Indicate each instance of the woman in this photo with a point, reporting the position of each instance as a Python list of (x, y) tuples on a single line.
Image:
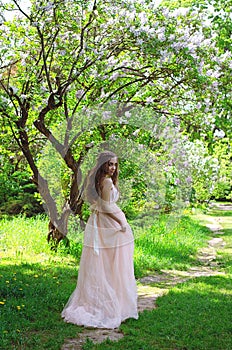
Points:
[(106, 289)]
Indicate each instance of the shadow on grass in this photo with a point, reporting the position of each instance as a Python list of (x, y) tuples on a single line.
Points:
[(221, 209), (224, 255), (33, 297), (194, 315), (216, 213), (227, 232)]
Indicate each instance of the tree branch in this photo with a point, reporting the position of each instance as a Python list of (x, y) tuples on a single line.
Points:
[(45, 59), (10, 94), (19, 8), (122, 87), (91, 19)]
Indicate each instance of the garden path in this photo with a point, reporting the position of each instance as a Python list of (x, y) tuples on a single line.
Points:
[(152, 287)]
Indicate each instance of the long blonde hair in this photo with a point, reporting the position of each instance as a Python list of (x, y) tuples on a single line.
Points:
[(94, 178)]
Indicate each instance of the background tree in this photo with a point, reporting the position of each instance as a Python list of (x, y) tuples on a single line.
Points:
[(60, 57)]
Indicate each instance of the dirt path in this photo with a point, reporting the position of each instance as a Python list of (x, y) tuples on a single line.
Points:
[(147, 293)]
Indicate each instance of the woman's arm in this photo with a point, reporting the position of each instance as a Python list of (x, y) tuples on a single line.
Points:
[(105, 195)]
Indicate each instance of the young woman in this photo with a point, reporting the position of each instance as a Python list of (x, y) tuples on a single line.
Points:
[(106, 291)]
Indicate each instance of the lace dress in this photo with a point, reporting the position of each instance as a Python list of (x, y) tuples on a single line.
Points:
[(106, 292)]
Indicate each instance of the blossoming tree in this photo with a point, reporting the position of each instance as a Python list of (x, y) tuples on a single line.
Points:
[(60, 59)]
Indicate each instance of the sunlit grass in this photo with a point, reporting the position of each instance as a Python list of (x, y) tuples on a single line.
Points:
[(195, 315), (33, 296), (24, 238), (35, 284), (224, 218), (168, 244)]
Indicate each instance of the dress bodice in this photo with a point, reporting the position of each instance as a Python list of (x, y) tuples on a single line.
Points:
[(102, 229), (107, 206)]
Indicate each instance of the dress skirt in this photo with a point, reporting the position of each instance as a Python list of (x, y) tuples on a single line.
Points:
[(106, 292)]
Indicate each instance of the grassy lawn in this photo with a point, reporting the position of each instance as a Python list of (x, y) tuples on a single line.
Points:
[(193, 315), (35, 284), (168, 244), (224, 255)]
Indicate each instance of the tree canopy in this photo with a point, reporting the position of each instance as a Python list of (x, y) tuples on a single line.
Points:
[(81, 75)]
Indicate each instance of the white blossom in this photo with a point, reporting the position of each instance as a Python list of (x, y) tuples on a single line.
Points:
[(219, 133), (79, 93), (136, 132), (149, 99), (4, 99), (114, 76), (14, 89), (161, 37), (177, 181), (103, 94), (106, 115), (112, 61), (122, 120), (140, 41), (143, 18), (181, 11), (172, 37), (49, 6)]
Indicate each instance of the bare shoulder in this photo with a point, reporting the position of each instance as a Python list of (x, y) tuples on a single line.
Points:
[(106, 189), (107, 182)]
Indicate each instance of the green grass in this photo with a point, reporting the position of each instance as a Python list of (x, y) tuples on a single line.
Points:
[(195, 315), (224, 255), (33, 295), (168, 244), (35, 284)]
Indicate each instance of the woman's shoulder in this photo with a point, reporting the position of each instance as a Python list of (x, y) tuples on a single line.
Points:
[(107, 182)]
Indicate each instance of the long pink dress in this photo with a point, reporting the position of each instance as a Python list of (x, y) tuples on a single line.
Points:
[(106, 292)]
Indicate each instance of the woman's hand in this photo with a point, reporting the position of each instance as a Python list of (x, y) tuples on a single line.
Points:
[(123, 227)]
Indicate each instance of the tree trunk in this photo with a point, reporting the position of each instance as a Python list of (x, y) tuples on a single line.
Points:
[(58, 230)]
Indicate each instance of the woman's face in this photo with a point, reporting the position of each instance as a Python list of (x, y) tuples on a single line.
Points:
[(112, 166)]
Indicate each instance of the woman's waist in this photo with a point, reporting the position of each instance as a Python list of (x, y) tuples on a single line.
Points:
[(107, 237), (109, 208)]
